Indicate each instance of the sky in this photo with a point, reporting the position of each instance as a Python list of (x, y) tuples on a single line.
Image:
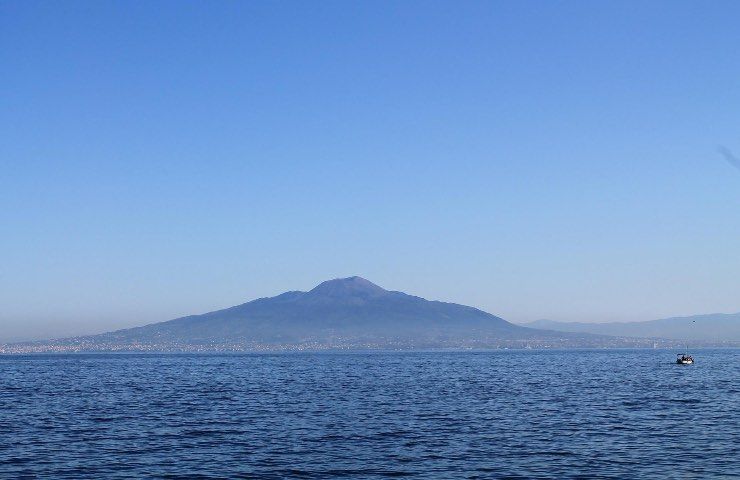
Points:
[(536, 159)]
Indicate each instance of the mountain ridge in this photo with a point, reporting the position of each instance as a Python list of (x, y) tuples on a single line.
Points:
[(705, 327)]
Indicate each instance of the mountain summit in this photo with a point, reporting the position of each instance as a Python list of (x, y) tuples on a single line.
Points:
[(347, 287)]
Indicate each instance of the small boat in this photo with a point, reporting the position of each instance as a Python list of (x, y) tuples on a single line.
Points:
[(684, 359)]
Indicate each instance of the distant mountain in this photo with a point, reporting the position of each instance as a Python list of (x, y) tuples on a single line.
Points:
[(342, 313), (716, 327), (336, 309)]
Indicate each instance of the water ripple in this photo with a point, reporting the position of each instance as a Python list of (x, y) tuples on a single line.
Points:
[(578, 414)]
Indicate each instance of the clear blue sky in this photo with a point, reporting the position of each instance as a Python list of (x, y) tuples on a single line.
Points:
[(534, 159)]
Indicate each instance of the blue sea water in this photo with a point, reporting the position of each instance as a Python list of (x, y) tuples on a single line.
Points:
[(508, 414)]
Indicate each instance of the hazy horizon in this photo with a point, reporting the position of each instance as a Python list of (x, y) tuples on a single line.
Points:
[(534, 160), (75, 327)]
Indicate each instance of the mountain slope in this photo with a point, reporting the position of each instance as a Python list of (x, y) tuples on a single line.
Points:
[(713, 327), (351, 307)]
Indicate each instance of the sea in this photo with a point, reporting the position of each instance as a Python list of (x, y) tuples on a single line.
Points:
[(620, 414)]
